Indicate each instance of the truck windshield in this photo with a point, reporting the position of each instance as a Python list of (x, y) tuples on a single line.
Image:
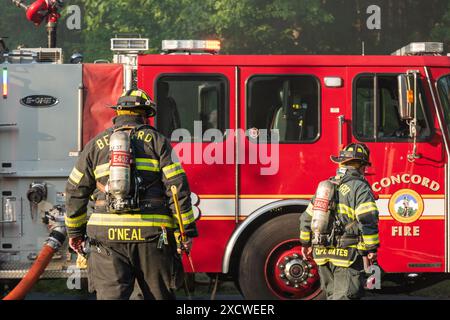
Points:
[(444, 94)]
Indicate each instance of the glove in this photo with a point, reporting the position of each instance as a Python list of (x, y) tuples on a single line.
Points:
[(81, 262), (185, 246), (77, 244)]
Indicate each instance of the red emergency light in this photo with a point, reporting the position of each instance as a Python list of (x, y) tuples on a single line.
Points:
[(42, 9)]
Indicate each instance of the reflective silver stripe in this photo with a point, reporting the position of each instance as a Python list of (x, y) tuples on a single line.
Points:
[(76, 176), (187, 217), (366, 207), (101, 170), (309, 209)]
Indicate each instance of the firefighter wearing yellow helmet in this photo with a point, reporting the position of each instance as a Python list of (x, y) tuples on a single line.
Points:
[(339, 228), (127, 172)]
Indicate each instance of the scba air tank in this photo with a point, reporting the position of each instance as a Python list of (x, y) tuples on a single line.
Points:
[(321, 208), (119, 168)]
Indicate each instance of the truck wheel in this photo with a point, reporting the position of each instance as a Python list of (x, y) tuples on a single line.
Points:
[(271, 264)]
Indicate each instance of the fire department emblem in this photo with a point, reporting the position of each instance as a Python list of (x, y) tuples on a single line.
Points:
[(406, 206)]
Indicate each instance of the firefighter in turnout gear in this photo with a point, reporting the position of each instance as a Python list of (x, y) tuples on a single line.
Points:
[(127, 172), (339, 228)]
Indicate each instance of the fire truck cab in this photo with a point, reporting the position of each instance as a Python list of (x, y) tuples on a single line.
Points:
[(254, 135)]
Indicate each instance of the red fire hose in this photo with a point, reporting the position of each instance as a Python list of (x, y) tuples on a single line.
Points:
[(36, 270), (54, 241)]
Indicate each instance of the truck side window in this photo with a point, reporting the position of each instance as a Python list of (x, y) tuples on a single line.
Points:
[(386, 125), (289, 104), (184, 99), (444, 95)]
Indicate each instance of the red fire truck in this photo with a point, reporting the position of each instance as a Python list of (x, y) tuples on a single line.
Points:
[(248, 221), (254, 135)]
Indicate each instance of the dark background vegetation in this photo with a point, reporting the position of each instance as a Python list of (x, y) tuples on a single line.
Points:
[(243, 26)]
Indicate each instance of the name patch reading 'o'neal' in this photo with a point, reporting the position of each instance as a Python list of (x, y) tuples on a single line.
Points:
[(125, 234)]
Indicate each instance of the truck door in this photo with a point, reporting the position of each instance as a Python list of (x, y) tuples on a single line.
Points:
[(407, 175), (292, 120), (196, 109), (439, 79), (295, 102)]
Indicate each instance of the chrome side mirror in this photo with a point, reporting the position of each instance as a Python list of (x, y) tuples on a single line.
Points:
[(407, 95)]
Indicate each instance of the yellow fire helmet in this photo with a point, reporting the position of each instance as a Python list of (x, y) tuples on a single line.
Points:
[(354, 151), (135, 100)]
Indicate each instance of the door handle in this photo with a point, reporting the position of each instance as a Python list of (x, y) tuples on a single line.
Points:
[(341, 120)]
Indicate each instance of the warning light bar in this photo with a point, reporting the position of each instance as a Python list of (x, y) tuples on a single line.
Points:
[(130, 45), (5, 83), (420, 49), (173, 46)]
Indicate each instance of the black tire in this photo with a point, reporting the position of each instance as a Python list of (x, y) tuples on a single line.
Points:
[(251, 275)]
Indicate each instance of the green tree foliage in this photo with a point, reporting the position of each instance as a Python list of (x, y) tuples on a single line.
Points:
[(441, 29), (243, 26), (262, 26)]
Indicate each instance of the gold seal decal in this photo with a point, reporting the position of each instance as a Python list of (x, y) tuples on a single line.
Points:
[(406, 206)]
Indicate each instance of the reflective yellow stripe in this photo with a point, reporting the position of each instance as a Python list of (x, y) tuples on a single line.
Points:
[(101, 170), (187, 217), (148, 160), (305, 235), (147, 168), (172, 166), (361, 246), (371, 239), (309, 210), (131, 220), (175, 173), (76, 222), (147, 164), (336, 262), (76, 176), (346, 210), (371, 236), (173, 170), (341, 263), (366, 207), (321, 261)]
